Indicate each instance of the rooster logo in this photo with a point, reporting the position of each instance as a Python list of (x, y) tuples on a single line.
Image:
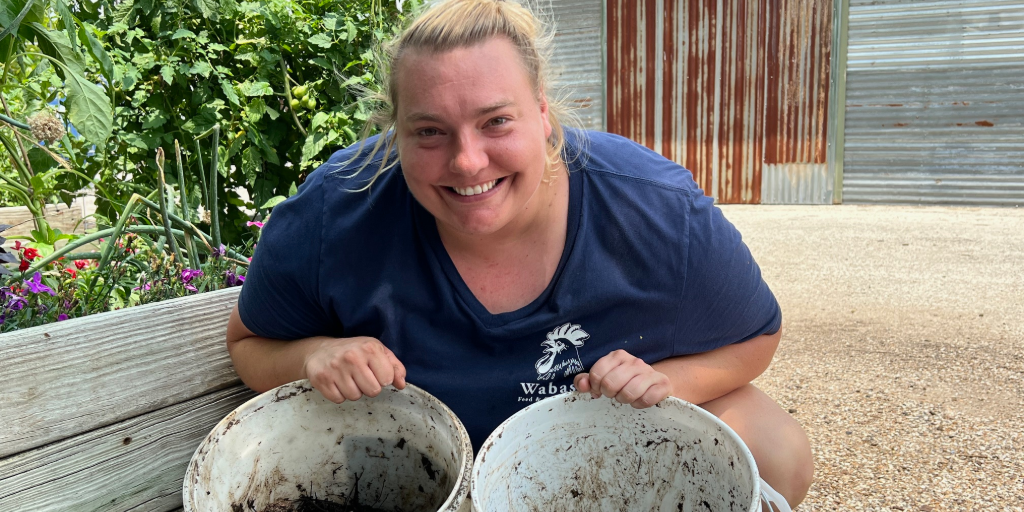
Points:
[(558, 342)]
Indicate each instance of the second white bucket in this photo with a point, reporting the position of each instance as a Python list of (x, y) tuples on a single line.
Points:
[(574, 453)]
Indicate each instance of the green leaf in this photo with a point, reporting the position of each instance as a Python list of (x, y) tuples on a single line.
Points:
[(292, 190), (351, 30), (123, 12), (154, 119), (272, 114), (134, 140), (315, 143), (201, 68), (256, 109), (69, 22), (322, 40), (252, 164), (255, 88), (14, 12), (89, 109), (181, 32), (208, 8), (40, 160), (229, 92), (167, 73), (37, 183), (56, 45), (273, 201), (86, 32), (318, 120)]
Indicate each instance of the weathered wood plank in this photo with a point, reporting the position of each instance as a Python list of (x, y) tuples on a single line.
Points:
[(97, 470), (70, 377)]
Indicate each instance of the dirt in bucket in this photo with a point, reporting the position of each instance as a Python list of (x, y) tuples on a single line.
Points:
[(312, 504), (308, 502)]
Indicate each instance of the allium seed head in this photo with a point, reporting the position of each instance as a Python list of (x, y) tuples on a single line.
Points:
[(46, 127)]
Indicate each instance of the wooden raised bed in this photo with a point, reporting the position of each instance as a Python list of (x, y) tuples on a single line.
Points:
[(104, 412)]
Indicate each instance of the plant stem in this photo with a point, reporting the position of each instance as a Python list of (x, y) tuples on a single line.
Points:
[(164, 212), (185, 207), (214, 172), (42, 262), (288, 95), (13, 122), (202, 175)]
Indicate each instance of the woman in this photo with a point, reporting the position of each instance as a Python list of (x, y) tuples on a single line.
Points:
[(492, 257)]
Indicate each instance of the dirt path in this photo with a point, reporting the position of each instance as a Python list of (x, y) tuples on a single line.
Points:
[(903, 350)]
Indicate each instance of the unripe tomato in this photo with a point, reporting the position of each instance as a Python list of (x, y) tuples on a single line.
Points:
[(295, 104), (310, 103), (299, 91)]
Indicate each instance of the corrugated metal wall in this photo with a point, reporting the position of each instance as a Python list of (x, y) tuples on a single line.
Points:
[(577, 62), (935, 102), (734, 91)]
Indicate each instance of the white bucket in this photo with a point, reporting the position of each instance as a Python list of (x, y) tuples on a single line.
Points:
[(574, 453), (401, 451)]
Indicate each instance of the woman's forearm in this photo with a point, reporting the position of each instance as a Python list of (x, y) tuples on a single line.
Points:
[(700, 378), (265, 363)]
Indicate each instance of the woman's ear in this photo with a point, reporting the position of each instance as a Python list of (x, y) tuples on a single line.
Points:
[(545, 117)]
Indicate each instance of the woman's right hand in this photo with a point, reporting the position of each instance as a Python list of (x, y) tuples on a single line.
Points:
[(348, 368)]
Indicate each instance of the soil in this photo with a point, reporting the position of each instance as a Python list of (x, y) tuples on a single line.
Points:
[(312, 504)]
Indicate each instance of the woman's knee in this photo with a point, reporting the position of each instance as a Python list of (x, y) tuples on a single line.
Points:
[(778, 442)]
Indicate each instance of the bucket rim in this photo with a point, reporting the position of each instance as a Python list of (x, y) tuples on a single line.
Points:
[(670, 401), (462, 480)]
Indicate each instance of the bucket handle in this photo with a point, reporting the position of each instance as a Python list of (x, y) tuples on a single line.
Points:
[(773, 499)]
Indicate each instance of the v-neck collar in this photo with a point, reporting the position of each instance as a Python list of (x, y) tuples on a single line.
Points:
[(427, 226)]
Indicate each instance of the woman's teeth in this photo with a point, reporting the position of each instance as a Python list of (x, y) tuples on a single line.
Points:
[(474, 190)]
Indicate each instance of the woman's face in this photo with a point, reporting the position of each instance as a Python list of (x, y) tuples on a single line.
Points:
[(472, 136)]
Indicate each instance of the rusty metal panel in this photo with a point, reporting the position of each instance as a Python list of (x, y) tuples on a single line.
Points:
[(725, 88), (935, 103), (577, 61)]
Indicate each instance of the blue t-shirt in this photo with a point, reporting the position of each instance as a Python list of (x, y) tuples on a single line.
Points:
[(650, 265)]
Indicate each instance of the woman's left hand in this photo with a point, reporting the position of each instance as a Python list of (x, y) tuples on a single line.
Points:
[(626, 378)]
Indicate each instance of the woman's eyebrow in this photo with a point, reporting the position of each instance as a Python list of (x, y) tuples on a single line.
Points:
[(482, 111)]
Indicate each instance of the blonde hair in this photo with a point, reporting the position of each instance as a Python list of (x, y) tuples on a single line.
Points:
[(454, 24)]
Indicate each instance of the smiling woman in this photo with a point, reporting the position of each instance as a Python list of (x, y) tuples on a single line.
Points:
[(493, 256)]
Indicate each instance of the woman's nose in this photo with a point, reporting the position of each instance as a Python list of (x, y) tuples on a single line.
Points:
[(470, 155)]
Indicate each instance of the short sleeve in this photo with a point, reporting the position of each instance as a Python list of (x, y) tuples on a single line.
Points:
[(724, 298), (280, 298)]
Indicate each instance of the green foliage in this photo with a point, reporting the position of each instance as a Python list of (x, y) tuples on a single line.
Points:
[(179, 67)]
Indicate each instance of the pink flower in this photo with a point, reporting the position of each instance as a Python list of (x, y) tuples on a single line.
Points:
[(255, 223)]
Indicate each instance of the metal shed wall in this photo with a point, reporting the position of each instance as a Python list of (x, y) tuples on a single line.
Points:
[(935, 102), (577, 61), (737, 92)]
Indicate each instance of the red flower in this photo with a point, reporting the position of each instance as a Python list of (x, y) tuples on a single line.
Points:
[(80, 264), (17, 245), (31, 253), (72, 272), (24, 265)]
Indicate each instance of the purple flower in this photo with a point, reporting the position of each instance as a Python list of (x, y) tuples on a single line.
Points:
[(43, 308), (255, 223), (145, 287), (17, 303), (220, 251), (188, 274), (61, 317), (36, 286), (190, 288), (3, 318), (233, 279)]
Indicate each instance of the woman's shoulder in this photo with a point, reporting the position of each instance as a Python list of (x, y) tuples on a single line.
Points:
[(606, 156)]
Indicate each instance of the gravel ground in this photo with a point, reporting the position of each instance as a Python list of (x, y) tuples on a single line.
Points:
[(902, 350)]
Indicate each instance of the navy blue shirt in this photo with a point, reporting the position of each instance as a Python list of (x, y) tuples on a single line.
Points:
[(650, 265)]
